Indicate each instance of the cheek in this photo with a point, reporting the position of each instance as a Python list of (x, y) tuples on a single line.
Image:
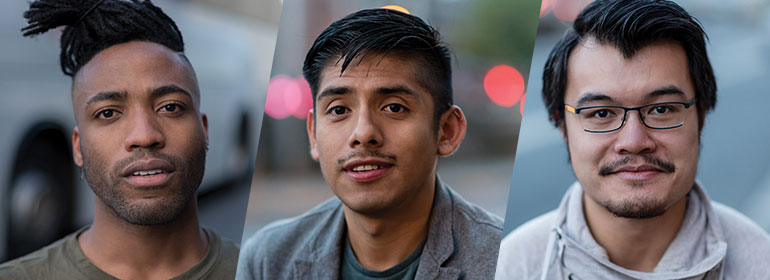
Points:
[(95, 144), (583, 148), (415, 137), (686, 148), (328, 142)]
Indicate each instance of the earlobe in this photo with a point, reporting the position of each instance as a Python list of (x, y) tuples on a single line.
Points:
[(77, 156), (311, 135), (452, 128), (563, 130)]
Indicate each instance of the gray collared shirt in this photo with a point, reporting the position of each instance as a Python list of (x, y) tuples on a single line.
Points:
[(462, 243)]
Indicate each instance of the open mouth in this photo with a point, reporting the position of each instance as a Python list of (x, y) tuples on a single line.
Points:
[(147, 173), (367, 167), (364, 171)]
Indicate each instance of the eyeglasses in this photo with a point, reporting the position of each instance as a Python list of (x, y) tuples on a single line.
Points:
[(600, 119)]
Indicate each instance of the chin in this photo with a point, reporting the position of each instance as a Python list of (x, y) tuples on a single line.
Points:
[(369, 205), (636, 207), (151, 212)]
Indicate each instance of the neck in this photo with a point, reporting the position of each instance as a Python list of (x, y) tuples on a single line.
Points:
[(383, 241), (636, 244), (128, 251)]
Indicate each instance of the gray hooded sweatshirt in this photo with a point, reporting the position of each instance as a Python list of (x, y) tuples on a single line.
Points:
[(714, 242)]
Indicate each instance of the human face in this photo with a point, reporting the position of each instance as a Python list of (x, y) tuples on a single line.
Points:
[(140, 139), (634, 172), (374, 136)]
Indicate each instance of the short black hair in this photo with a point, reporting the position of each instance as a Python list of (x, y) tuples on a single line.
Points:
[(95, 25), (630, 25), (383, 32)]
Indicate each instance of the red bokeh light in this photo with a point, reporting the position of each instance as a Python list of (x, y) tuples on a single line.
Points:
[(545, 7), (568, 10), (287, 96), (504, 85), (306, 103)]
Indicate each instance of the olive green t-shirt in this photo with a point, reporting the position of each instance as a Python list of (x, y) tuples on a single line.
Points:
[(405, 270), (63, 259)]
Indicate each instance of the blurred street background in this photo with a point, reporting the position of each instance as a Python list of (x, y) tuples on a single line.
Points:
[(230, 44), (735, 156), (492, 41)]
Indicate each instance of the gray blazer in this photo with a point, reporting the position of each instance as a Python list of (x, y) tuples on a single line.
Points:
[(462, 243)]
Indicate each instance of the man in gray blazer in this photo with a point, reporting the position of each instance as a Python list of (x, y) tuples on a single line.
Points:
[(382, 115)]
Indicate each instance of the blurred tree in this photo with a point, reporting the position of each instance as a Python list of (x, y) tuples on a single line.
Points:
[(505, 29)]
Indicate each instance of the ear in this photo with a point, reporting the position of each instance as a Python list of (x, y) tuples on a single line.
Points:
[(563, 130), (205, 121), (311, 134), (451, 132), (77, 155)]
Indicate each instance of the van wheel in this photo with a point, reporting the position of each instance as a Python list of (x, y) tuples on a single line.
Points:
[(41, 199)]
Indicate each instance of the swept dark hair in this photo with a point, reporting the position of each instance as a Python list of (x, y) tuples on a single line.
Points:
[(630, 25), (94, 25), (382, 32)]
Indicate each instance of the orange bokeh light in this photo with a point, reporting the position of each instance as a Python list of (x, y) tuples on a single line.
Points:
[(397, 8)]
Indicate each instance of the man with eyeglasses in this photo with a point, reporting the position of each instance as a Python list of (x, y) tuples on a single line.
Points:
[(629, 88)]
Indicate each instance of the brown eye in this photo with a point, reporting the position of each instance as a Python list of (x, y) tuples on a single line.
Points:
[(660, 110), (170, 107), (337, 110), (601, 114), (105, 114), (395, 108)]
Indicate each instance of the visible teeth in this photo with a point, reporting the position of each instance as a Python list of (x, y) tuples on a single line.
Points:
[(367, 167), (147, 173)]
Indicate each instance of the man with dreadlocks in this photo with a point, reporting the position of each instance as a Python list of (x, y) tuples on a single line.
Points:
[(382, 115), (141, 142)]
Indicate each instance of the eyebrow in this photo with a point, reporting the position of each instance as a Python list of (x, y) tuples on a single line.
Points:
[(168, 89), (107, 95), (667, 90), (592, 96), (388, 90), (334, 91), (115, 95), (395, 90)]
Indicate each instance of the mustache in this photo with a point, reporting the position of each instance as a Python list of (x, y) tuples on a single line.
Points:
[(142, 154), (610, 168), (356, 154)]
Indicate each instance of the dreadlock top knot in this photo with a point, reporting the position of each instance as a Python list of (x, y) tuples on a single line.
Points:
[(94, 25), (84, 15)]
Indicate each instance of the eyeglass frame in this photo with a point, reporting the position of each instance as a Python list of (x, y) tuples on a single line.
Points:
[(576, 111)]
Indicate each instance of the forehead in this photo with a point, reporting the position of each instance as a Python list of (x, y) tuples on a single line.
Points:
[(371, 72), (600, 68), (133, 66)]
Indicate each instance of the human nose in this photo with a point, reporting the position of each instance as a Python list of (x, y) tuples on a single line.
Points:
[(144, 131), (633, 137), (366, 132)]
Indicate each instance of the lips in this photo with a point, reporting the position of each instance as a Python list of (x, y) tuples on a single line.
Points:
[(148, 173), (367, 170), (640, 168), (638, 173)]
